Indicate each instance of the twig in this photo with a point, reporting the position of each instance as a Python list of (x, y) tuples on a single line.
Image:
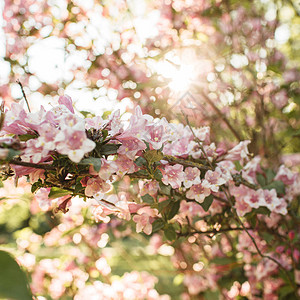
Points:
[(31, 165), (173, 159), (24, 95), (197, 140), (240, 221), (258, 250)]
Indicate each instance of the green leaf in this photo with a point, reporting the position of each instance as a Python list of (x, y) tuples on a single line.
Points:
[(165, 189), (141, 173), (158, 175), (238, 165), (109, 149), (286, 290), (36, 185), (270, 175), (157, 225), (86, 114), (94, 161), (57, 192), (212, 295), (252, 220), (174, 207), (262, 211), (26, 137), (163, 204), (277, 185), (153, 156), (78, 187), (147, 199), (140, 161), (261, 179), (170, 233), (12, 153), (268, 237), (207, 202), (104, 134), (13, 281)]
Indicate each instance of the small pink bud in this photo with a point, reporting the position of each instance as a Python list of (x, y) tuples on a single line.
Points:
[(291, 235), (280, 249), (296, 255)]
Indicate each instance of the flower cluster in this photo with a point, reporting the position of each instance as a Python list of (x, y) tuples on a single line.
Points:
[(153, 150), (56, 130), (183, 185)]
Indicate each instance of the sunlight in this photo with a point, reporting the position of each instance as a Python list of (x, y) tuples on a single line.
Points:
[(180, 76), (181, 80)]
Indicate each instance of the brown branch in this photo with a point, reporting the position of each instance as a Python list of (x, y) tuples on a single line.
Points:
[(258, 250), (240, 221), (24, 95), (197, 140), (187, 163), (31, 165)]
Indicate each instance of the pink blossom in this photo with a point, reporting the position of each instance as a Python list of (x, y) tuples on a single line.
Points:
[(157, 136), (251, 168), (114, 204), (96, 186), (73, 143), (203, 134), (239, 152), (191, 177), (191, 209), (36, 175), (144, 218), (270, 199), (285, 175), (100, 214), (198, 192), (178, 147), (195, 283), (148, 187), (108, 168), (254, 198), (67, 102), (14, 121), (42, 198), (240, 193), (194, 150), (114, 125), (213, 179), (137, 126), (130, 147), (35, 152), (173, 175), (125, 165), (95, 123)]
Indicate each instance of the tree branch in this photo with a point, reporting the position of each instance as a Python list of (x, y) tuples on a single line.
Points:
[(31, 165), (24, 95)]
